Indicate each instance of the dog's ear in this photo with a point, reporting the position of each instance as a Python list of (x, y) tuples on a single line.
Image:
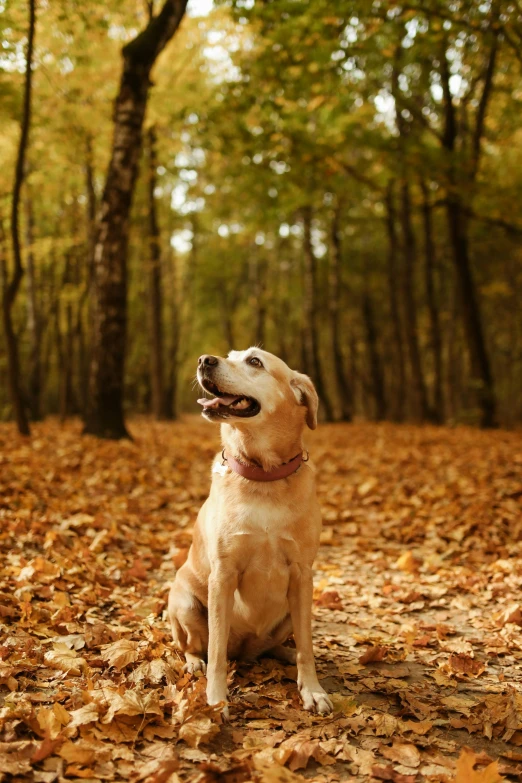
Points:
[(306, 394)]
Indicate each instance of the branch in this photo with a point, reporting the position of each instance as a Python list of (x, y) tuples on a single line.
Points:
[(145, 48), (482, 108), (362, 178)]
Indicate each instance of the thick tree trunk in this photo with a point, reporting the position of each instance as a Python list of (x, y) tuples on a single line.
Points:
[(86, 296), (376, 371), (33, 320), (480, 366), (311, 315), (421, 410), (482, 377), (171, 385), (436, 338), (398, 384), (155, 292), (106, 382), (344, 386), (10, 287)]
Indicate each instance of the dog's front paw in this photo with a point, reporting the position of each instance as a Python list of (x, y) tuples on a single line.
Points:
[(214, 697), (316, 700)]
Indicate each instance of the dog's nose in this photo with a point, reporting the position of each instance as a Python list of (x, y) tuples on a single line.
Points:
[(207, 361)]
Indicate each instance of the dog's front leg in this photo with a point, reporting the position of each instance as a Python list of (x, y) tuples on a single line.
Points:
[(221, 586), (300, 599)]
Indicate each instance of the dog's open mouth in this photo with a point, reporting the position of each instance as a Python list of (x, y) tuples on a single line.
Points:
[(227, 405)]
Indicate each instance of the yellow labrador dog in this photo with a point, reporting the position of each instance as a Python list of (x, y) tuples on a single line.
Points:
[(247, 582)]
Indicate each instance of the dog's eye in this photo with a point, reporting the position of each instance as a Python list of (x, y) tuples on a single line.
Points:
[(255, 362)]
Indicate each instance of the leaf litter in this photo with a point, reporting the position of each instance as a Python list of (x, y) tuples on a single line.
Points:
[(417, 613)]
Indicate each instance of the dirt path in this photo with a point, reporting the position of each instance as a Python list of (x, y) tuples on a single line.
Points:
[(418, 612)]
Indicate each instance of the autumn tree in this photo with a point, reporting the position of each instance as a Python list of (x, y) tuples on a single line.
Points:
[(11, 286), (104, 415)]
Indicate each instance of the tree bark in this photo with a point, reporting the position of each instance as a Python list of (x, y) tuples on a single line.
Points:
[(436, 338), (482, 378), (155, 291), (33, 319), (376, 371), (421, 410), (86, 296), (10, 288), (399, 378), (311, 315), (106, 382), (344, 386)]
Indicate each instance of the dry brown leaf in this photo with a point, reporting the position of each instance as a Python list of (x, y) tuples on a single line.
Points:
[(408, 563), (420, 727), (402, 753), (197, 730), (119, 654), (466, 665), (467, 774), (52, 720), (154, 672), (330, 599), (372, 654), (130, 703), (61, 657), (83, 715)]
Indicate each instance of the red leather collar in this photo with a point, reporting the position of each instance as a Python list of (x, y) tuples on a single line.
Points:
[(255, 473)]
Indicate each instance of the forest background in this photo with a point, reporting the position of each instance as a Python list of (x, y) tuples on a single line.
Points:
[(336, 181)]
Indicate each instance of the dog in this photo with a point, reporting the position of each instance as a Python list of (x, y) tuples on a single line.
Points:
[(247, 582)]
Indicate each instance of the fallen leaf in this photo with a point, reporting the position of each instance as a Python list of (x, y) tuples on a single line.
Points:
[(408, 563), (198, 730), (120, 653), (467, 774), (65, 659), (402, 753), (372, 654)]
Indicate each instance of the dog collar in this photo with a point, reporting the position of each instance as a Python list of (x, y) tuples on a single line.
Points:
[(255, 473)]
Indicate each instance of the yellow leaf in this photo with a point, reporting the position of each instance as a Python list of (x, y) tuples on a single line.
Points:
[(467, 774), (119, 654), (66, 660)]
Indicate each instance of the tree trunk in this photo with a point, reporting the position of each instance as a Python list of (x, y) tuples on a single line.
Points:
[(480, 367), (344, 386), (260, 273), (376, 371), (311, 315), (106, 382), (33, 319), (436, 339), (10, 287), (398, 385), (155, 293), (482, 378), (421, 410), (86, 296)]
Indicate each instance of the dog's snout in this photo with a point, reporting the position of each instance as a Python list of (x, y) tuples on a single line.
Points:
[(207, 360)]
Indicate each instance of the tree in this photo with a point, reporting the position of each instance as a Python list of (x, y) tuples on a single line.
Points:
[(10, 287), (104, 416)]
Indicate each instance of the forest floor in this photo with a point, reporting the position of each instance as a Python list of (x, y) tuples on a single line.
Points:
[(417, 612)]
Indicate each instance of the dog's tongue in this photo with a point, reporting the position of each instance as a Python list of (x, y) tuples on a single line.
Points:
[(226, 399)]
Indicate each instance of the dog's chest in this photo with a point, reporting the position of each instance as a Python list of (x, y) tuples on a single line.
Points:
[(263, 536)]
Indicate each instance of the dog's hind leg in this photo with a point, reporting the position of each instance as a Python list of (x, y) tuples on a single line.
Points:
[(188, 619)]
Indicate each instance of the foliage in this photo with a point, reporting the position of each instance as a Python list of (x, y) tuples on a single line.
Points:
[(417, 614), (261, 110)]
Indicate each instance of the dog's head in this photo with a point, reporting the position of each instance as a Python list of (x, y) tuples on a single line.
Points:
[(250, 386)]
